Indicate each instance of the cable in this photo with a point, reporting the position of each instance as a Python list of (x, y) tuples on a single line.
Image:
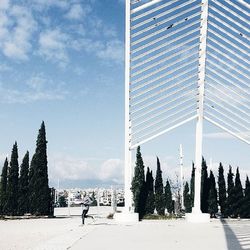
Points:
[(229, 96), (228, 41), (157, 122), (235, 85), (225, 108), (192, 91), (146, 13), (164, 29), (227, 56), (138, 25), (238, 8), (162, 22), (161, 112), (227, 25), (163, 104), (162, 38), (232, 12), (168, 81), (178, 53), (231, 51), (162, 76), (175, 62), (179, 38), (228, 65), (164, 126), (227, 130), (191, 40), (228, 72), (159, 92)]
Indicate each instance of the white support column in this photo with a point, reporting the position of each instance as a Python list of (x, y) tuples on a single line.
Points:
[(196, 215), (128, 154), (181, 170), (128, 214)]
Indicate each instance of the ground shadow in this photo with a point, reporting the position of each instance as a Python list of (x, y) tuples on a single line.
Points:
[(236, 236)]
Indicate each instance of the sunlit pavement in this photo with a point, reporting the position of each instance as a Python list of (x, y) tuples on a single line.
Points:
[(105, 234), (173, 235)]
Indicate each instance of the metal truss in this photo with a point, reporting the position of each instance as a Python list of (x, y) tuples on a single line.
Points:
[(185, 60), (164, 52), (227, 88), (165, 40)]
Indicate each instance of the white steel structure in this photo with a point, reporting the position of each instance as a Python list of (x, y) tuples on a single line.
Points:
[(185, 60), (181, 176)]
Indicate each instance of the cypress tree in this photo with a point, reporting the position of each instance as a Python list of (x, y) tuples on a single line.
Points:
[(12, 186), (38, 186), (3, 186), (159, 195), (222, 190), (246, 201), (238, 195), (212, 198), (23, 199), (204, 187), (192, 185), (187, 199), (230, 192), (150, 200), (138, 185), (168, 198)]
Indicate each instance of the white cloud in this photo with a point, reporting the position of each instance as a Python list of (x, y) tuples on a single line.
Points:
[(12, 96), (225, 135), (4, 4), (52, 46), (113, 50), (16, 29), (40, 88), (66, 167), (110, 51), (19, 35), (37, 82), (112, 169), (77, 12), (42, 4), (4, 67)]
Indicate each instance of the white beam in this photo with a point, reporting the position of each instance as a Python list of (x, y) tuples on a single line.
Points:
[(163, 132), (146, 5), (237, 135)]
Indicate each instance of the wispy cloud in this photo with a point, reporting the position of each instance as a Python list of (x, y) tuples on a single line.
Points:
[(78, 12), (38, 88), (53, 46), (4, 67), (45, 4), (66, 167), (4, 4), (225, 135), (24, 32), (112, 50), (16, 29)]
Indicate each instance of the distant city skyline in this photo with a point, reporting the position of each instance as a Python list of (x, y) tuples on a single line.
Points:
[(63, 62)]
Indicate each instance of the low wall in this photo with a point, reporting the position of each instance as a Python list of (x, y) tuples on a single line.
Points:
[(102, 211)]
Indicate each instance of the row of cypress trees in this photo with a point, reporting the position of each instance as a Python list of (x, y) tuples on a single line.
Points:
[(231, 198), (27, 190), (150, 195)]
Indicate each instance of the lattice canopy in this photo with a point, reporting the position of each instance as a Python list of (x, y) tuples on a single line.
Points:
[(165, 51)]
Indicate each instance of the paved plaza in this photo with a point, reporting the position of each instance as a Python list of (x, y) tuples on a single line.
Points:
[(102, 233)]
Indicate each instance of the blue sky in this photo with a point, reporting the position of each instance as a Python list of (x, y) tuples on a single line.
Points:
[(62, 62)]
